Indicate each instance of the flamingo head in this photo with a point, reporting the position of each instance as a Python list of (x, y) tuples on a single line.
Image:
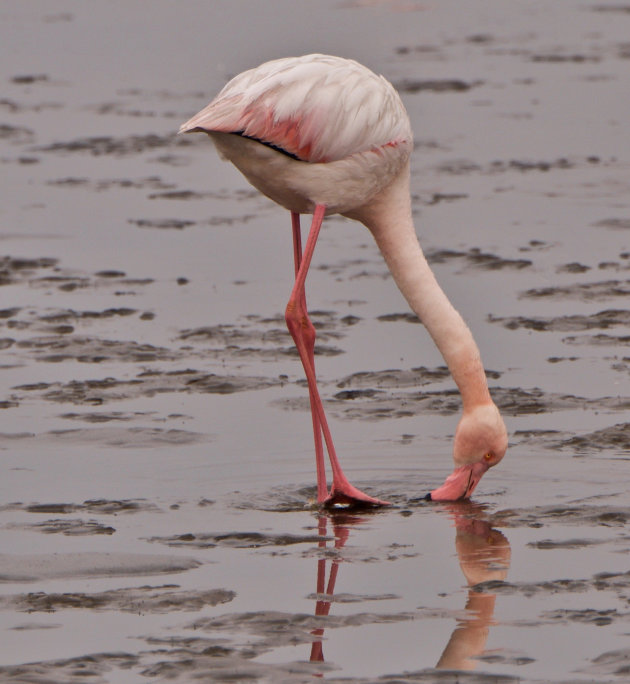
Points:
[(480, 443)]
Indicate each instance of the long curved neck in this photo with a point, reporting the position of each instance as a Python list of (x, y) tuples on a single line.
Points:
[(389, 219)]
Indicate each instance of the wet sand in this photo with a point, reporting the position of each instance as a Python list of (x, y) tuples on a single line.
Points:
[(156, 494)]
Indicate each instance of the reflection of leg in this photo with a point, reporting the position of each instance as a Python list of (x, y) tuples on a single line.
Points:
[(322, 487), (303, 333), (317, 651), (321, 608), (324, 600)]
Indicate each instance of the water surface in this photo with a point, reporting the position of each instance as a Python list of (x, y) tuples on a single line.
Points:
[(157, 485)]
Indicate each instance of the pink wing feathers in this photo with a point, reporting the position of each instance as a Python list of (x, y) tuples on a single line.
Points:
[(316, 107)]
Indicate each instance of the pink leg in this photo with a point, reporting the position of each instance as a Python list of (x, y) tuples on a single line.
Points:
[(303, 333), (309, 340)]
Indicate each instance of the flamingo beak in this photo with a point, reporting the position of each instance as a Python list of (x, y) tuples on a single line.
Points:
[(460, 484)]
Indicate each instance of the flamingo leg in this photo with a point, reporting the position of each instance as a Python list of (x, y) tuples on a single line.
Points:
[(303, 333), (309, 341)]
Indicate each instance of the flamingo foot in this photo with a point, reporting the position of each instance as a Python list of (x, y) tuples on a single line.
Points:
[(348, 496)]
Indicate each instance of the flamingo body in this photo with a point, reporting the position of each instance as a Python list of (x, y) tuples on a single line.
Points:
[(320, 135), (347, 123)]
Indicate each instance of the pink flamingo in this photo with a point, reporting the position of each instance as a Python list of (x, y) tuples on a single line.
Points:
[(323, 135)]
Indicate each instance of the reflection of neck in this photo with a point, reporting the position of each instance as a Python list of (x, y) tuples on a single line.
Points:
[(484, 554), (469, 638), (322, 607)]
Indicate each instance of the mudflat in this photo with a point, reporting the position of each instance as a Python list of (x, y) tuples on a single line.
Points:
[(157, 484)]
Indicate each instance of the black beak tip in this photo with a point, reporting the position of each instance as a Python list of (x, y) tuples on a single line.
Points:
[(428, 497)]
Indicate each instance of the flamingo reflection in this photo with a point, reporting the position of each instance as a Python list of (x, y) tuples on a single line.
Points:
[(484, 555)]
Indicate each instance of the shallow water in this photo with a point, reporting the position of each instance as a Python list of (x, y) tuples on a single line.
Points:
[(156, 496)]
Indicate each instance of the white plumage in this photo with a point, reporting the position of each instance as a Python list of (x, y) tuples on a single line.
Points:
[(317, 107)]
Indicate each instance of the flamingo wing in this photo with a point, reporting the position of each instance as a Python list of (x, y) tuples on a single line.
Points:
[(317, 108)]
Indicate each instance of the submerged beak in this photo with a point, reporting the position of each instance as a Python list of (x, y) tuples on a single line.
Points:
[(460, 484)]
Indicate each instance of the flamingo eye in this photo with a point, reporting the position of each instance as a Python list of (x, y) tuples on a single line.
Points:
[(487, 456)]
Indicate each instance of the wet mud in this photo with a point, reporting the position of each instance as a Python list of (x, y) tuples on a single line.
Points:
[(158, 512), (146, 599)]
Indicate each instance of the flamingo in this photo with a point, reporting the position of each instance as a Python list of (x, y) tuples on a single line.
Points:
[(321, 135)]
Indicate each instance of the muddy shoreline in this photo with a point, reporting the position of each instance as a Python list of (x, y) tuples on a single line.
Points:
[(157, 511)]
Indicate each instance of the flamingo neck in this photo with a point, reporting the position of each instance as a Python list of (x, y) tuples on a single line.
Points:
[(389, 219)]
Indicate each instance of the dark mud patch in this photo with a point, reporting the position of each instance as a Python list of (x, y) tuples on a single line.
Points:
[(392, 378), (438, 197), (85, 349), (355, 269), (111, 416), (564, 58), (236, 540), (17, 135), (44, 272), (281, 499), (104, 184), (119, 437), (573, 267), (601, 340), (475, 258), (505, 658), (33, 626), (561, 544), (611, 662), (37, 567), (71, 527), (587, 616), (352, 598), (138, 600), (276, 629), (91, 669), (146, 384), (453, 85), (266, 338), (570, 514), (615, 437), (576, 322), (405, 317), (612, 441), (459, 167), (616, 583), (180, 224), (237, 195), (380, 403), (184, 659), (163, 223), (585, 292), (614, 223), (14, 107), (115, 146), (29, 79), (70, 316), (17, 269), (93, 506), (211, 383), (516, 401), (613, 9), (395, 378)]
